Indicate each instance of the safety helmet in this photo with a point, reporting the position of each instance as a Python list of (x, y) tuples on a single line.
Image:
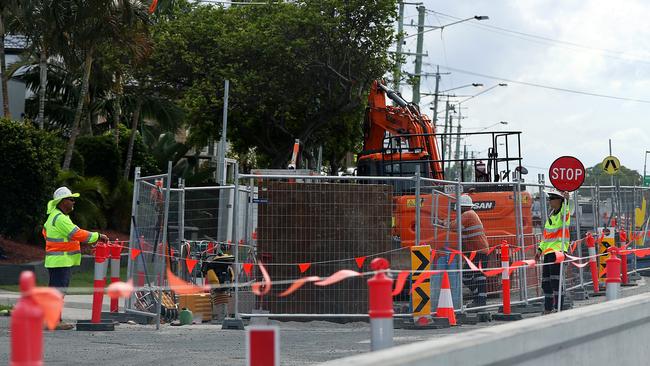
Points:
[(59, 194), (553, 192), (466, 201)]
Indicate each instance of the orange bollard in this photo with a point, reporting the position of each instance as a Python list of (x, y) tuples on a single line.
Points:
[(101, 254), (26, 326), (380, 306), (593, 265), (116, 253), (613, 278), (506, 313)]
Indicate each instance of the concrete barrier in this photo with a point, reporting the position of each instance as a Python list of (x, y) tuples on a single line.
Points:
[(610, 333)]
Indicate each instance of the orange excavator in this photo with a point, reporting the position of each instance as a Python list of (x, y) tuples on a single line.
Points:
[(398, 139)]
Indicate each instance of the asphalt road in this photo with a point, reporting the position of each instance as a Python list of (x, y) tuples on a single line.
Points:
[(301, 343)]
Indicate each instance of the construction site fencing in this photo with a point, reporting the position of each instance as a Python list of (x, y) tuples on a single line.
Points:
[(298, 226), (149, 225)]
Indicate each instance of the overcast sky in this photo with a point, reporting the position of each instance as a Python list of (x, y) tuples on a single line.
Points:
[(593, 46)]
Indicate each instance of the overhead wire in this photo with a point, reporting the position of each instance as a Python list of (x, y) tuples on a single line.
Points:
[(619, 55)]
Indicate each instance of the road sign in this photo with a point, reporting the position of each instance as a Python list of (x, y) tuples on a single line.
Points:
[(646, 181), (567, 173), (611, 165), (421, 296)]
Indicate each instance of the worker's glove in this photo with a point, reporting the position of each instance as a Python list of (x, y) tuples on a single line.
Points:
[(103, 238)]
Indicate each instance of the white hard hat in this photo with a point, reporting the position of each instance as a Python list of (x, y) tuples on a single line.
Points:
[(466, 201), (553, 192), (59, 194), (63, 192)]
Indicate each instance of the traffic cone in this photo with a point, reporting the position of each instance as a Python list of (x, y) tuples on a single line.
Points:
[(445, 303)]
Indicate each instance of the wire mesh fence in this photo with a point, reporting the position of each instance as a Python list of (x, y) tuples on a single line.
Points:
[(315, 226)]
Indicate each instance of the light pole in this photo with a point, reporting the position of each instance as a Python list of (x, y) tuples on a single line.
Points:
[(419, 48), (645, 161)]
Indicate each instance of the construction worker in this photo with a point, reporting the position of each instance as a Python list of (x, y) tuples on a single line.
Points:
[(62, 241), (473, 239), (556, 232)]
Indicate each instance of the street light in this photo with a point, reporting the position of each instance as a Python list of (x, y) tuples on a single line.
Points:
[(476, 85), (492, 125), (482, 92), (442, 27), (645, 160)]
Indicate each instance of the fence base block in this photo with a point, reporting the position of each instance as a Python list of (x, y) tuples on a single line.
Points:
[(232, 324), (580, 294), (125, 317), (466, 318), (435, 323), (629, 284), (524, 308), (507, 317), (89, 326), (484, 316)]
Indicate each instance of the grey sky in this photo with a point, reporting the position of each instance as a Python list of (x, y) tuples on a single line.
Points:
[(607, 52)]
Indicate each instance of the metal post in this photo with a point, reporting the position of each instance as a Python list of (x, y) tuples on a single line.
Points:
[(397, 73), (221, 164), (561, 281), (459, 231), (417, 204), (578, 212), (444, 136), (542, 200), (132, 233), (235, 241), (418, 57), (523, 281), (435, 97), (181, 225), (161, 265)]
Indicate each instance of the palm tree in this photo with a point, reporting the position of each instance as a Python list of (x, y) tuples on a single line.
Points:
[(6, 8), (93, 23)]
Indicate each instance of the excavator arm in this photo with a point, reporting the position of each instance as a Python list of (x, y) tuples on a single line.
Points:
[(404, 119)]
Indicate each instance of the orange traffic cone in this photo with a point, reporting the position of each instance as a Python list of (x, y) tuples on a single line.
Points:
[(445, 303)]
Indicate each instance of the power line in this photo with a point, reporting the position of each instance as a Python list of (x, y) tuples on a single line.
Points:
[(546, 41), (566, 90)]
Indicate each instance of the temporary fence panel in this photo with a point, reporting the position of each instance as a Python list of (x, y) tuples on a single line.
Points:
[(147, 245)]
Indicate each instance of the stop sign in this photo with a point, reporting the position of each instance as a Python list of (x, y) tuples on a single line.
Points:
[(567, 173)]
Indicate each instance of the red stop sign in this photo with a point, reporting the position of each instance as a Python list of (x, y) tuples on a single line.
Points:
[(567, 173)]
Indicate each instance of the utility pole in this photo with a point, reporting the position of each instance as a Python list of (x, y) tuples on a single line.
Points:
[(457, 152), (418, 56), (444, 136), (397, 73), (435, 96)]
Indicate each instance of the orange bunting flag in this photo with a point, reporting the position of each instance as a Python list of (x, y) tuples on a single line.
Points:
[(433, 253), (120, 289), (262, 288), (400, 282), (135, 253), (471, 265), (248, 268), (303, 267), (210, 247), (153, 6), (171, 252), (181, 287), (491, 272), (337, 277), (50, 300), (491, 250), (472, 255), (190, 263), (298, 284), (452, 256), (360, 261)]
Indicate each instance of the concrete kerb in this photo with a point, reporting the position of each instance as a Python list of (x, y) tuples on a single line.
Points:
[(589, 333)]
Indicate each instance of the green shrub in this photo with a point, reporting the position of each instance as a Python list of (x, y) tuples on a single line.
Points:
[(101, 158), (30, 164), (141, 155)]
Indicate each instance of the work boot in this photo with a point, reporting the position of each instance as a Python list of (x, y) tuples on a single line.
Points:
[(64, 326)]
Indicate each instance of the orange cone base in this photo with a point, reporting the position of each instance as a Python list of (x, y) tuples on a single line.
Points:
[(447, 313)]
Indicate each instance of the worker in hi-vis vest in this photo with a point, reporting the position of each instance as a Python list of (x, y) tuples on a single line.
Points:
[(63, 239), (473, 240), (556, 232)]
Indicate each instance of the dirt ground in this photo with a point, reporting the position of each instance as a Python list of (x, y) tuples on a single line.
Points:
[(23, 252)]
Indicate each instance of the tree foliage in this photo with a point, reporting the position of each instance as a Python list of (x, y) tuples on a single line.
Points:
[(626, 176), (30, 161), (297, 70)]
